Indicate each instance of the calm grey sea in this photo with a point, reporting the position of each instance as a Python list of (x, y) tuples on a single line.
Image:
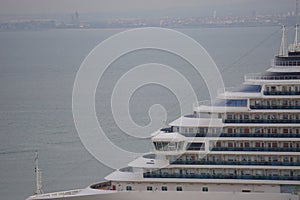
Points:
[(37, 71)]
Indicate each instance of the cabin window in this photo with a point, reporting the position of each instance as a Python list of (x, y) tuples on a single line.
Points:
[(246, 117), (247, 144), (178, 188), (204, 189), (257, 102), (273, 88), (128, 187), (257, 144), (231, 172), (259, 172), (149, 188), (246, 190), (231, 158), (164, 188), (168, 146), (229, 116), (196, 146)]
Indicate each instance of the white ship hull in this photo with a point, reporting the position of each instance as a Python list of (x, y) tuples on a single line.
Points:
[(169, 195)]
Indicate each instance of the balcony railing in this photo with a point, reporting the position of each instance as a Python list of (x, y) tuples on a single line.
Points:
[(272, 149), (266, 135), (263, 121), (211, 176), (202, 103), (288, 63), (166, 130), (204, 162), (281, 93), (274, 107), (251, 77)]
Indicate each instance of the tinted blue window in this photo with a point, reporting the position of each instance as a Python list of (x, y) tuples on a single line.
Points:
[(249, 88), (231, 102)]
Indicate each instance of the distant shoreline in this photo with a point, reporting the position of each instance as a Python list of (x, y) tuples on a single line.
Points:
[(127, 28)]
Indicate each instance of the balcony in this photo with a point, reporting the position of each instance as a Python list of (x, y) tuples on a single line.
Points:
[(275, 107), (263, 121), (259, 77), (265, 135), (211, 176), (269, 149), (204, 162), (281, 93)]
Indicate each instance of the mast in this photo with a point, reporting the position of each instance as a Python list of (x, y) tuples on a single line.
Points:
[(297, 25), (297, 12), (296, 35), (38, 178), (282, 46)]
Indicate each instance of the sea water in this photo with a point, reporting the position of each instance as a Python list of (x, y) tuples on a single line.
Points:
[(37, 72)]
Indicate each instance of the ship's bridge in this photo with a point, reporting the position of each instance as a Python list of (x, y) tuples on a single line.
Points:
[(287, 62), (170, 143)]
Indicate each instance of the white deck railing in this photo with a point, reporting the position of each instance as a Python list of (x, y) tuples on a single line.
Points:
[(280, 64), (251, 77), (201, 103), (61, 194)]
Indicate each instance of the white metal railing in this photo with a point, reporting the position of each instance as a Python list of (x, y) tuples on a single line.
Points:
[(294, 48), (280, 64), (226, 89), (61, 194), (251, 77), (201, 103)]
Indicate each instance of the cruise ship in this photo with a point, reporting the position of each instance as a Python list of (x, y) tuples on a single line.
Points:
[(243, 145)]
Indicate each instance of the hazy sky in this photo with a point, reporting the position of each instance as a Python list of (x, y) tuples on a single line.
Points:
[(145, 7)]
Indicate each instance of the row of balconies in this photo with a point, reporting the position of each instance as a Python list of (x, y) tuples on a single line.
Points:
[(263, 121), (268, 149), (215, 159), (204, 162), (223, 176), (255, 145), (264, 135)]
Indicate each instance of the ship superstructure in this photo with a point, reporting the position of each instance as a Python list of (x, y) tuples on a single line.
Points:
[(243, 145)]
